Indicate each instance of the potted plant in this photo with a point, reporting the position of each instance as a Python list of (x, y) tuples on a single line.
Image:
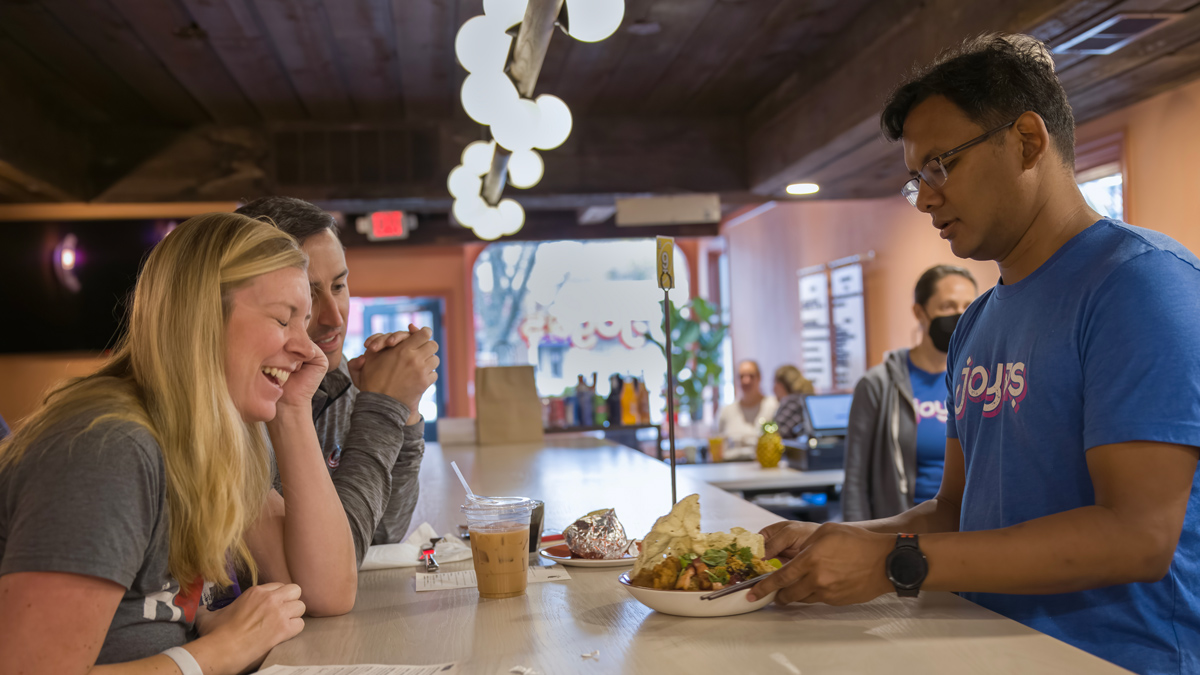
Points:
[(696, 337)]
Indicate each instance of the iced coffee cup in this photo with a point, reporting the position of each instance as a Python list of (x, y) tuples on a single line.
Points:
[(499, 528)]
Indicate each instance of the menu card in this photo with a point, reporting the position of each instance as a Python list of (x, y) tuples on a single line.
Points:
[(442, 581), (365, 669)]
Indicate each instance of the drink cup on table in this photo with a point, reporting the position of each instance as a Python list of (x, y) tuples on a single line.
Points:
[(536, 519), (716, 448), (499, 528)]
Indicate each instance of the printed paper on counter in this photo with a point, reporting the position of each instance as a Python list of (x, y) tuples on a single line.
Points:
[(364, 669), (442, 581)]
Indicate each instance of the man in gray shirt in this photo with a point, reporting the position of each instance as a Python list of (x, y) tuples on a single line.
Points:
[(365, 410)]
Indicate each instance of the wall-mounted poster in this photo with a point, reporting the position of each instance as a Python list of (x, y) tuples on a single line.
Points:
[(815, 345), (849, 326)]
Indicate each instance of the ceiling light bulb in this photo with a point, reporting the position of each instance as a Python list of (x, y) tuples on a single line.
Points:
[(554, 125), (482, 45), (467, 210), (489, 224), (515, 126), (485, 94), (802, 188), (477, 157), (512, 216), (462, 183), (507, 13), (594, 20), (525, 169)]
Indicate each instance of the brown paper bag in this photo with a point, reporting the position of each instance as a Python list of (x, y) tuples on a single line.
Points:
[(507, 408)]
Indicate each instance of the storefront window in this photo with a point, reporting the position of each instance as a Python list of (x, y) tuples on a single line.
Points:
[(573, 308)]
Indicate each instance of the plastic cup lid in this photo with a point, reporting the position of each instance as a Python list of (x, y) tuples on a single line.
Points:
[(499, 506)]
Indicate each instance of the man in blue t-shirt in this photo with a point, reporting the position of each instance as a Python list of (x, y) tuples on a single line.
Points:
[(1069, 500)]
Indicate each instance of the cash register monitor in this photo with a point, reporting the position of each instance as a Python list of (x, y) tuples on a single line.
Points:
[(828, 414)]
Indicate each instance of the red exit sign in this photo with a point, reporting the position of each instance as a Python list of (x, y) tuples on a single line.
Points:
[(384, 225)]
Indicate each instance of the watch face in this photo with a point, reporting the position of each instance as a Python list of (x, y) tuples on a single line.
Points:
[(907, 567)]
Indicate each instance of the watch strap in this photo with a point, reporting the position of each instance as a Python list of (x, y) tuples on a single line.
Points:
[(903, 541)]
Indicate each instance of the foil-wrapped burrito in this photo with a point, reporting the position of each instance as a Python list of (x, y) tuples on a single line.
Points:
[(598, 535)]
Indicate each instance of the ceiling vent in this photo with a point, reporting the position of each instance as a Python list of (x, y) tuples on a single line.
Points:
[(1115, 32)]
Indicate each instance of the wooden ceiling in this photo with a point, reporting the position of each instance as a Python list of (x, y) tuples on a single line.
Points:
[(355, 102)]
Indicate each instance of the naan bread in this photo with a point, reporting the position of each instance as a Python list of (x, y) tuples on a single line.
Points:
[(678, 532)]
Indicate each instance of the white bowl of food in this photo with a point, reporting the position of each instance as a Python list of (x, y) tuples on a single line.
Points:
[(688, 603), (679, 565)]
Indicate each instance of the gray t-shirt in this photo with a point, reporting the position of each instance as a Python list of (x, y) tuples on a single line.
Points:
[(95, 503)]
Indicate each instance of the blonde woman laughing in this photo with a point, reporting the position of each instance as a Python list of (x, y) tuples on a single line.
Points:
[(128, 489)]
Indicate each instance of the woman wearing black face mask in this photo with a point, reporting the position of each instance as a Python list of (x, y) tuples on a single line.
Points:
[(896, 441)]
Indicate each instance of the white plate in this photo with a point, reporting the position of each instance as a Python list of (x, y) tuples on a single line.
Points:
[(688, 603), (627, 561)]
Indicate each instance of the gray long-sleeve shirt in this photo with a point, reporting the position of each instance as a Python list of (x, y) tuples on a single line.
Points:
[(372, 457)]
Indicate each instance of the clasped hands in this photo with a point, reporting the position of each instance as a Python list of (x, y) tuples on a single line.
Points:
[(401, 365), (833, 563)]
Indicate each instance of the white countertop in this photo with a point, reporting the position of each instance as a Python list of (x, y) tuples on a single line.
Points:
[(752, 476), (555, 622)]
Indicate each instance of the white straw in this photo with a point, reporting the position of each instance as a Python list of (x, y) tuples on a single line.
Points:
[(470, 495)]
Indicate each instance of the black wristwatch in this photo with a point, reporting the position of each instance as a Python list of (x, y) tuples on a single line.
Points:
[(906, 566)]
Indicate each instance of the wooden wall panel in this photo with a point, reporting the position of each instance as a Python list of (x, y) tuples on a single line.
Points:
[(113, 43), (246, 50), (365, 43), (299, 29), (171, 33), (641, 71), (425, 46), (40, 34)]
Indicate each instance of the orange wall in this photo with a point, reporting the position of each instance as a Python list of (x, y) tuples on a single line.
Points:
[(766, 251), (25, 378), (1162, 172)]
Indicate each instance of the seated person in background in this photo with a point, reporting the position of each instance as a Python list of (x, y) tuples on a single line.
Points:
[(365, 410), (128, 489), (740, 422), (896, 438), (790, 388)]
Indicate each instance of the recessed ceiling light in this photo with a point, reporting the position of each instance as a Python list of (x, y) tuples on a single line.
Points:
[(802, 188)]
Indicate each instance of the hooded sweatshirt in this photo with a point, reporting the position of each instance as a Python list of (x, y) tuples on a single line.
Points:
[(881, 443)]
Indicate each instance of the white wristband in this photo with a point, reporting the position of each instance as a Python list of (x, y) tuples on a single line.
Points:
[(184, 659)]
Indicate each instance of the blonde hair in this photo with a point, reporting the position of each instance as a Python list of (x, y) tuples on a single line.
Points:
[(167, 374), (792, 380)]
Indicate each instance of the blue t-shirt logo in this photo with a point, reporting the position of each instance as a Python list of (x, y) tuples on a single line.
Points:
[(930, 410), (1007, 384)]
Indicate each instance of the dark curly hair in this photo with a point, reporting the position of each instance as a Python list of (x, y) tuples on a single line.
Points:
[(993, 78)]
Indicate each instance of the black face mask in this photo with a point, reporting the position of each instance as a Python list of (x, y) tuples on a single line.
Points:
[(940, 330)]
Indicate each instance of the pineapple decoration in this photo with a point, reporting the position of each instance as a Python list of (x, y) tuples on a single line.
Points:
[(770, 446)]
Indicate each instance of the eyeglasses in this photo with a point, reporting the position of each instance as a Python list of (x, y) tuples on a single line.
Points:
[(934, 172)]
